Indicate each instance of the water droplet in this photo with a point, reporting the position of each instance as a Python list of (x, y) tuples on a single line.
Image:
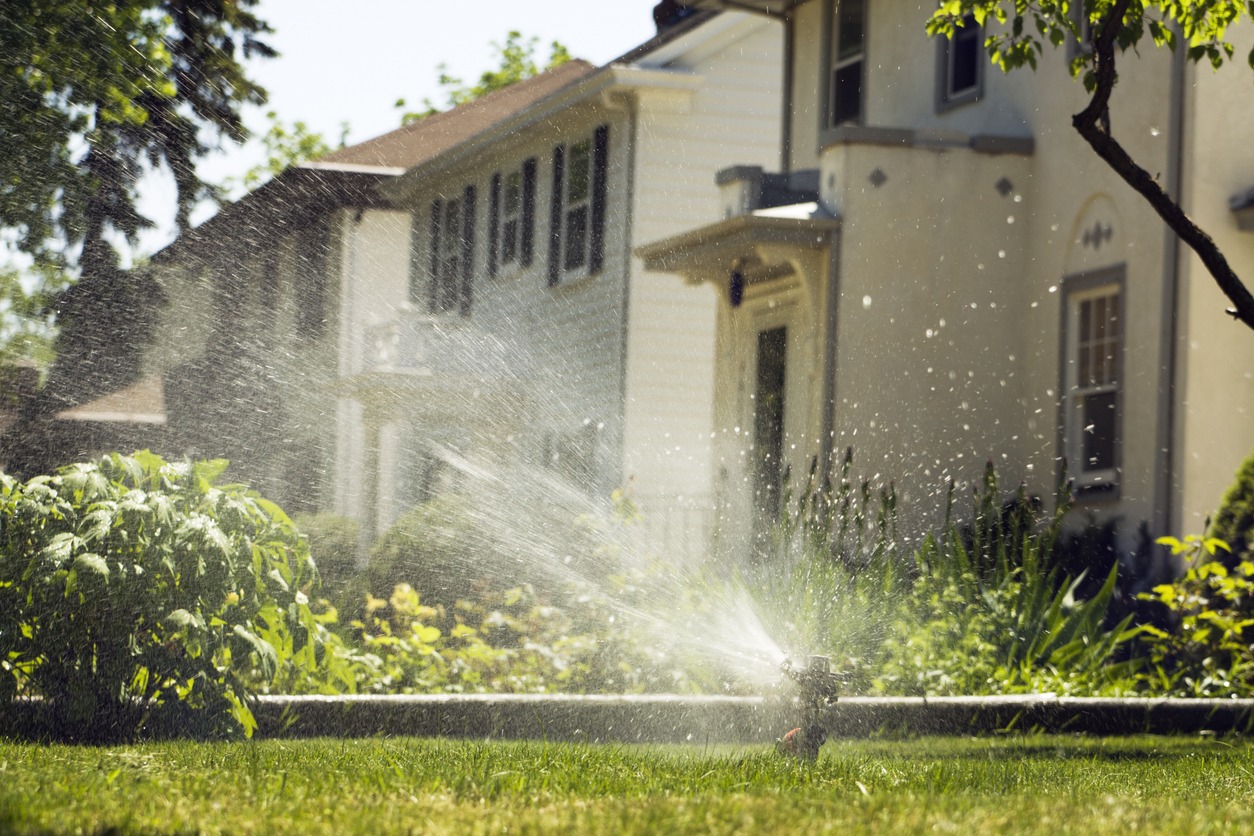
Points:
[(866, 301)]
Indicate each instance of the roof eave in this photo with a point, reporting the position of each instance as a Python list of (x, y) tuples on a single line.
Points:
[(606, 80), (710, 252)]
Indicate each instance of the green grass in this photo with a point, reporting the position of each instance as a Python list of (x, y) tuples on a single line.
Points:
[(1045, 784)]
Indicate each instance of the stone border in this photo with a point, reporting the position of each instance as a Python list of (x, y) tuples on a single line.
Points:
[(702, 720), (743, 720)]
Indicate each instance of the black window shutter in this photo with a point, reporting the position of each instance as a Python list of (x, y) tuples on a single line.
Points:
[(555, 216), (528, 232), (433, 283), (494, 225), (468, 248), (600, 176), (312, 245)]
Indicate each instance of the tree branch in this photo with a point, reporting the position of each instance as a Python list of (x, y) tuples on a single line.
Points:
[(1092, 123)]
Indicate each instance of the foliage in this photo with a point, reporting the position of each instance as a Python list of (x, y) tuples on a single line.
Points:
[(132, 587), (333, 542), (285, 146), (1210, 651), (1234, 521), (983, 608), (93, 97), (513, 642), (27, 324), (516, 62), (1025, 29)]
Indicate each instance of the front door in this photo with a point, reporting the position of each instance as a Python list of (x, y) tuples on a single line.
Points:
[(768, 430)]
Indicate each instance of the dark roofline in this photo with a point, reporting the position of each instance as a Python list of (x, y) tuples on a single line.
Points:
[(670, 33), (282, 202)]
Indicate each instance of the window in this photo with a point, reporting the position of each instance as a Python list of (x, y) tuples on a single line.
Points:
[(1082, 42), (577, 211), (848, 53), (311, 279), (961, 76), (512, 222), (452, 247), (1091, 384)]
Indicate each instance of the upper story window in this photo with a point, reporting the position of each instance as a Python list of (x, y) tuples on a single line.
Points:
[(512, 223), (960, 77), (311, 279), (451, 246), (848, 62), (577, 210), (1093, 337)]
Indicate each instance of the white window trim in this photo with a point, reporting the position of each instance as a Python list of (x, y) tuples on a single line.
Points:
[(836, 63), (1072, 427)]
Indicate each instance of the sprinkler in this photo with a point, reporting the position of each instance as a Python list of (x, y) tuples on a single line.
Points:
[(818, 686)]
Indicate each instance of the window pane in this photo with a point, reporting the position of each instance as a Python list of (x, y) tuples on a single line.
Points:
[(509, 241), (576, 237), (847, 93), (1099, 432), (850, 21), (580, 173), (964, 54), (513, 193)]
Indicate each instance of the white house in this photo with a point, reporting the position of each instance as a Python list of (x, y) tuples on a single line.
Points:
[(945, 274), (466, 287)]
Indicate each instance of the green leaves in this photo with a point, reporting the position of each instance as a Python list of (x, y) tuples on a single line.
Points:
[(129, 583)]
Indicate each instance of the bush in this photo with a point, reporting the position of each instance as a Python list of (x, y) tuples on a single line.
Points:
[(333, 541), (134, 591), (1209, 650), (1234, 521)]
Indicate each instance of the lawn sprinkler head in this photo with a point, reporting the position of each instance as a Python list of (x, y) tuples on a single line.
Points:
[(817, 682), (819, 686)]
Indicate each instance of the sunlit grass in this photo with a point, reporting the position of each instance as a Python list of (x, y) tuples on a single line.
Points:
[(1046, 784)]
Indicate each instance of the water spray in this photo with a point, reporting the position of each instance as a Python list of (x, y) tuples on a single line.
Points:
[(818, 686)]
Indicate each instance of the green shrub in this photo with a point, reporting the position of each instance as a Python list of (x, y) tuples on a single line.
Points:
[(333, 542), (1234, 521), (1209, 649), (135, 591)]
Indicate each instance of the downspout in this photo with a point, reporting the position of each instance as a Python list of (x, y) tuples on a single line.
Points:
[(827, 426), (633, 117), (1165, 489), (785, 131)]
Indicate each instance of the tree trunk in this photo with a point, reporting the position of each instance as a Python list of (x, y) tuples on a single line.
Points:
[(1092, 123)]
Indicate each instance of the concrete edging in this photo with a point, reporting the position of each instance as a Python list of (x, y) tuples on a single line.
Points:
[(679, 719)]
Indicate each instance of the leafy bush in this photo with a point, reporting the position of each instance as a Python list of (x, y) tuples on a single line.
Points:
[(1209, 651), (1234, 521), (137, 591), (333, 541)]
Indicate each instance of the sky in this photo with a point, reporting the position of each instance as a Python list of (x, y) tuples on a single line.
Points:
[(350, 61)]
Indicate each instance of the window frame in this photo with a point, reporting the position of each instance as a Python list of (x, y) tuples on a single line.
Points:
[(578, 208), (451, 248), (511, 244), (969, 36), (1075, 393), (834, 62)]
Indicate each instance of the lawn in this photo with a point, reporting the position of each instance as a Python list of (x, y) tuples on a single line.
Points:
[(1043, 784)]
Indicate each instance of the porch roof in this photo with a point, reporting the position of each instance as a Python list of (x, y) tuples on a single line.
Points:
[(741, 243)]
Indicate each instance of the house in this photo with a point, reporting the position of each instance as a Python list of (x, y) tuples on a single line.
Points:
[(465, 286), (943, 273)]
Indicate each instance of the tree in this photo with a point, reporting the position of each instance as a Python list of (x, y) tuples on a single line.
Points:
[(94, 95), (1199, 26), (285, 145), (516, 62)]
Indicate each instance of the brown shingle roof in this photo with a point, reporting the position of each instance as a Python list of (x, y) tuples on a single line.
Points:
[(423, 140)]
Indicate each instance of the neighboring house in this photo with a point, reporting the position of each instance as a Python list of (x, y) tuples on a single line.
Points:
[(465, 287), (947, 274)]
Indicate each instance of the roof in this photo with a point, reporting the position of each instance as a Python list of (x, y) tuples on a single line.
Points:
[(417, 142), (349, 176)]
